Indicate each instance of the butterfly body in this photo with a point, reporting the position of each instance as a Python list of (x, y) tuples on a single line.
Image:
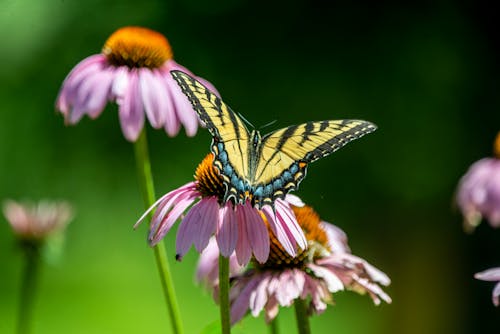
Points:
[(263, 168)]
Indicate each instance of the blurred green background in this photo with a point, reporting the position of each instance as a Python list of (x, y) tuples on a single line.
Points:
[(425, 73)]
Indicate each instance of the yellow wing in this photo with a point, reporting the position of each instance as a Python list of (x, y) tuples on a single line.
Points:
[(285, 154), (230, 144)]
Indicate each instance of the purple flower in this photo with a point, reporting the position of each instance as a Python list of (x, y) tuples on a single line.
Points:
[(478, 194), (237, 228), (37, 221), (492, 275), (327, 266), (133, 71)]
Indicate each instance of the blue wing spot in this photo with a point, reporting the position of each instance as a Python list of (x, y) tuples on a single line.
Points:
[(259, 191), (278, 184), (220, 146), (287, 175), (223, 156), (268, 190), (294, 168), (228, 170)]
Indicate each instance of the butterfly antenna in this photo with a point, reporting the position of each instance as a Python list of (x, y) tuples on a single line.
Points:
[(245, 120), (268, 124)]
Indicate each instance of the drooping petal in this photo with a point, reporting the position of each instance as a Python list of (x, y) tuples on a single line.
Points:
[(154, 96), (227, 236), (65, 97), (165, 224), (240, 304), (496, 295), (92, 95), (333, 283), (243, 249), (258, 297), (492, 274), (131, 110), (337, 239), (208, 223), (198, 225), (257, 233)]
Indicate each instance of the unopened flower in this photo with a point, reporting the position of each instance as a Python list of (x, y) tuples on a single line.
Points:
[(237, 228), (35, 222), (325, 267), (133, 71), (492, 275), (478, 194)]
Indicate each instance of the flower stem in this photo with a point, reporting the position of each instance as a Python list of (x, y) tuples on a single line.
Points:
[(224, 294), (301, 316), (148, 194), (273, 326), (28, 287)]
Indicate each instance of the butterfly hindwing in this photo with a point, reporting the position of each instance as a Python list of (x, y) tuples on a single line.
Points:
[(285, 153)]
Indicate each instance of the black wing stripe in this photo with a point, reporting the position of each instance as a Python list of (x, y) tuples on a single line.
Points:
[(284, 138)]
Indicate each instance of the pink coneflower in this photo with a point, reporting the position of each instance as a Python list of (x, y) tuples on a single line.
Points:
[(478, 194), (492, 274), (237, 228), (133, 71), (36, 221), (325, 267)]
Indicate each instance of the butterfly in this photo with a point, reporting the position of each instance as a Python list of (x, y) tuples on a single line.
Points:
[(264, 168)]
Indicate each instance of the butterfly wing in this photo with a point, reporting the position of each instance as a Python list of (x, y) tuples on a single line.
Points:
[(285, 154), (230, 144)]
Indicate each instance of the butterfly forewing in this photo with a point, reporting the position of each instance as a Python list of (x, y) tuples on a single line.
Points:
[(285, 153), (231, 137)]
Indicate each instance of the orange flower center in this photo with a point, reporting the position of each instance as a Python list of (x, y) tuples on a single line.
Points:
[(137, 47), (209, 181), (316, 236), (496, 146)]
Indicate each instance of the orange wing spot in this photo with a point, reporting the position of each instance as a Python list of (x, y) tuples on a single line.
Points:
[(302, 164)]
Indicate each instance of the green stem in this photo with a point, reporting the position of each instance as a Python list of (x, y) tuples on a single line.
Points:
[(28, 287), (224, 294), (273, 326), (148, 194), (301, 316)]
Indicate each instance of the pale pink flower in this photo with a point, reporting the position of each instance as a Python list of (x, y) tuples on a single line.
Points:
[(31, 221), (237, 228), (478, 194), (133, 71), (327, 266), (492, 274)]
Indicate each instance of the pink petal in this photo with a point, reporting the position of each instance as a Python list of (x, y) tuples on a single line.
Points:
[(227, 236), (243, 249), (258, 298), (131, 109), (208, 224), (158, 231), (332, 281), (173, 197), (92, 95), (154, 96), (279, 231), (240, 305), (65, 97), (294, 200), (496, 295), (257, 233), (492, 274), (198, 225)]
